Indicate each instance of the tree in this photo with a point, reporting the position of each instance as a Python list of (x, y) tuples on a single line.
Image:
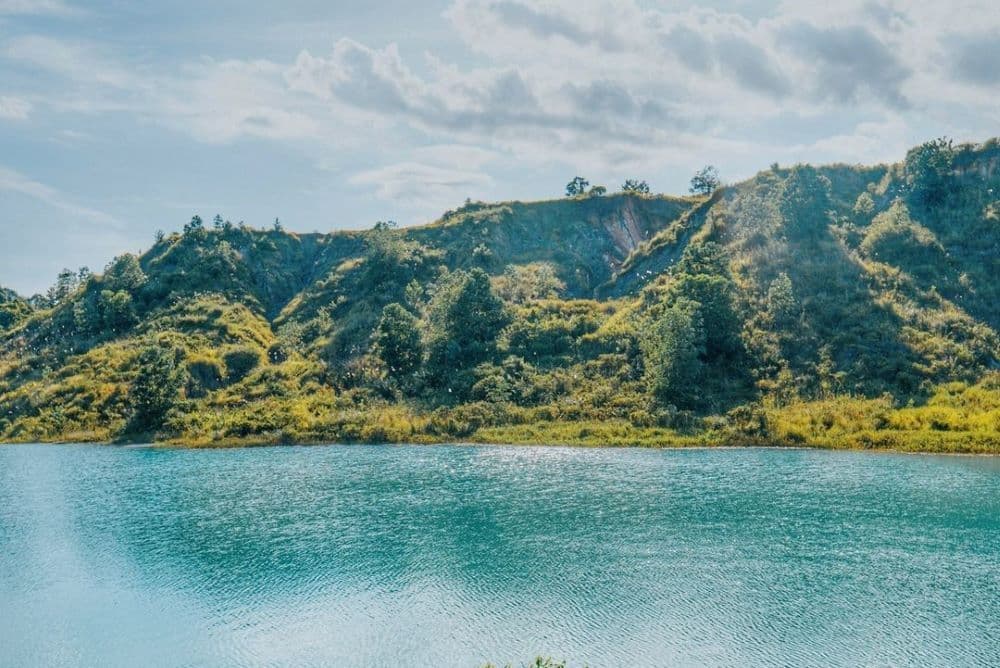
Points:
[(465, 321), (116, 311), (13, 309), (711, 295), (86, 317), (277, 226), (578, 186), (397, 341), (781, 302), (805, 203), (929, 171), (196, 225), (598, 191), (392, 260), (154, 389), (635, 186), (705, 181), (124, 273), (482, 255), (523, 283), (217, 222), (864, 207), (704, 258), (672, 354), (66, 284), (159, 236)]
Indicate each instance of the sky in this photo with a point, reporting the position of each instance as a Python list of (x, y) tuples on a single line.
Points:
[(120, 118)]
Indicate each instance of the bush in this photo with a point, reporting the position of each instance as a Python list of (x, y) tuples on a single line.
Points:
[(204, 376), (929, 171), (672, 352), (397, 341), (154, 389), (240, 362), (466, 319)]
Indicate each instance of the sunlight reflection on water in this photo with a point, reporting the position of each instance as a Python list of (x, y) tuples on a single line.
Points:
[(454, 555)]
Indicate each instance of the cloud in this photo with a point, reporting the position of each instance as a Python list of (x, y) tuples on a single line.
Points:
[(457, 156), (433, 179), (37, 7), (549, 24), (14, 108), (885, 15), (219, 102), (79, 62), (849, 63), (976, 58), (498, 105), (426, 187), (615, 84), (213, 101), (732, 54), (751, 66), (868, 142), (691, 48), (13, 181)]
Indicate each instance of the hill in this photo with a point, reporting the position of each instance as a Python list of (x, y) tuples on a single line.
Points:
[(836, 306)]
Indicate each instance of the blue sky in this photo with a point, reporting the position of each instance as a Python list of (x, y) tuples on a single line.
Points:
[(119, 118)]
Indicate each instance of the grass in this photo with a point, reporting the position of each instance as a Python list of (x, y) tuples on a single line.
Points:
[(841, 424)]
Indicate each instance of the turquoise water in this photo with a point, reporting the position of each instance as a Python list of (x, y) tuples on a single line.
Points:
[(452, 556)]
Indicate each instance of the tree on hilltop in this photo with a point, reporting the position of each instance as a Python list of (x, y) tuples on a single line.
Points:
[(635, 186), (578, 186), (705, 181)]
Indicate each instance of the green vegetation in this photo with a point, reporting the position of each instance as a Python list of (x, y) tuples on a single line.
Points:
[(577, 186), (154, 388), (635, 186), (835, 307), (539, 662), (397, 341), (13, 309), (706, 181)]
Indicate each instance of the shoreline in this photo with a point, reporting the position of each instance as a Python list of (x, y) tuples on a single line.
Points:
[(180, 444)]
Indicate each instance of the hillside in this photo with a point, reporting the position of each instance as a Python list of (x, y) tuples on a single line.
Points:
[(837, 306)]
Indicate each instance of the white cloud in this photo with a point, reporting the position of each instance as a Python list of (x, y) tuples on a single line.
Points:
[(13, 181), (78, 62), (214, 101), (219, 102), (499, 107), (14, 108), (37, 7), (427, 188), (615, 85), (458, 156), (870, 142)]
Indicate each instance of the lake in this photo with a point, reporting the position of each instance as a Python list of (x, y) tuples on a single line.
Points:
[(454, 556)]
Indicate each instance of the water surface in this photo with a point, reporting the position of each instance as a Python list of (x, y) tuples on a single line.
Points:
[(452, 556)]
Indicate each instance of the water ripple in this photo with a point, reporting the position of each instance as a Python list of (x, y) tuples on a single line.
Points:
[(454, 556)]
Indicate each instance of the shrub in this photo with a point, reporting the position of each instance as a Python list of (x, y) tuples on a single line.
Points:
[(204, 376), (397, 341), (154, 389), (240, 362)]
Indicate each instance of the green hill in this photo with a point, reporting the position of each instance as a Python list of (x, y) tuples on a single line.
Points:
[(838, 306)]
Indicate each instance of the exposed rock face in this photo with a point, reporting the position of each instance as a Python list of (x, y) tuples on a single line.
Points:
[(625, 229), (586, 239)]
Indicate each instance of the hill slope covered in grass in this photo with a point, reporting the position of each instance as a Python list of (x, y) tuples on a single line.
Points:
[(838, 306)]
